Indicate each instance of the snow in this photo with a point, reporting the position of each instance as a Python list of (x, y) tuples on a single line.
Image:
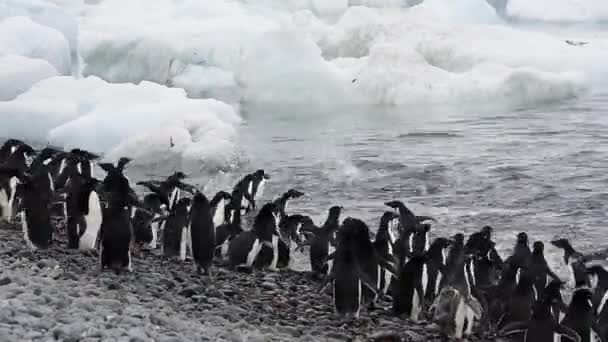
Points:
[(563, 11), (137, 121), (21, 36), (137, 70), (18, 74)]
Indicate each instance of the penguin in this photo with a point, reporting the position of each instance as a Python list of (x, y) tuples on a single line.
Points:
[(436, 265), (245, 247), (576, 262), (116, 229), (84, 212), (321, 243), (455, 256), (542, 326), (384, 245), (8, 148), (34, 209), (226, 232), (259, 179), (218, 207), (539, 267), (346, 275), (369, 260), (288, 234), (291, 229), (408, 292), (521, 301), (241, 194), (202, 232), (16, 159), (599, 299), (580, 316), (458, 283), (282, 201), (408, 222), (145, 229), (169, 189), (175, 232), (521, 255)]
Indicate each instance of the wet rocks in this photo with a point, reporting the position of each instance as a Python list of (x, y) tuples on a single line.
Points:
[(5, 281)]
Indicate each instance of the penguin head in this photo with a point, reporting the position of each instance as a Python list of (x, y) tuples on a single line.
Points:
[(293, 193), (441, 243), (486, 232), (419, 239), (334, 213), (394, 204), (260, 174), (25, 149), (458, 239), (386, 218), (566, 246), (538, 248), (522, 238)]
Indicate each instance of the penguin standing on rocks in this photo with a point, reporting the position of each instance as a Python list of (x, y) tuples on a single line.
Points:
[(539, 267), (384, 245), (282, 201), (84, 212), (241, 195), (519, 306), (145, 229), (542, 326), (218, 207), (202, 233), (229, 230), (244, 249), (436, 267), (256, 190), (521, 252), (576, 261), (408, 292), (347, 276), (116, 231), (408, 222), (321, 242), (34, 209), (175, 232), (16, 158), (456, 295), (580, 316), (169, 189)]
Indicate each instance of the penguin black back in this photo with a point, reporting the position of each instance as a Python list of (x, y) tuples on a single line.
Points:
[(580, 317), (203, 232), (175, 224)]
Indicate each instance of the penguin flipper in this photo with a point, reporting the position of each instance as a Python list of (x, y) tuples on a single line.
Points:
[(475, 306), (515, 327), (566, 331), (150, 186), (365, 279), (425, 218), (328, 279), (160, 218), (187, 187), (389, 266)]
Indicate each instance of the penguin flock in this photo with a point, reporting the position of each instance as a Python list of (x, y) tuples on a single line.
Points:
[(461, 284)]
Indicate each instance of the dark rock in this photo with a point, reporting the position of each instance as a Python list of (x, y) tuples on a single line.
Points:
[(188, 292), (5, 281), (114, 286)]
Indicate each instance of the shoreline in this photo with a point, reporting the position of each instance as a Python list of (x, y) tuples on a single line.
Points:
[(58, 294)]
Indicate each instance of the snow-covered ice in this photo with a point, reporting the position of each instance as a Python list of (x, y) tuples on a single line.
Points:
[(137, 121), (300, 52)]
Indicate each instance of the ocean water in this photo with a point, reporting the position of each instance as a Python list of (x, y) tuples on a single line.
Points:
[(541, 170)]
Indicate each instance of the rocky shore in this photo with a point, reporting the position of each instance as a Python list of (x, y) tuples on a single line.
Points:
[(59, 295)]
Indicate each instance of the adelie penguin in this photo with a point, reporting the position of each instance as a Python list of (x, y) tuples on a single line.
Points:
[(84, 212), (175, 232), (455, 308), (542, 326), (580, 317), (169, 189), (288, 234), (241, 194), (282, 201), (321, 242), (600, 299), (116, 229), (244, 249), (218, 207), (146, 230), (202, 232), (539, 267), (347, 275), (408, 222), (408, 292), (35, 214), (16, 159), (436, 261), (256, 188), (224, 233), (384, 245)]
